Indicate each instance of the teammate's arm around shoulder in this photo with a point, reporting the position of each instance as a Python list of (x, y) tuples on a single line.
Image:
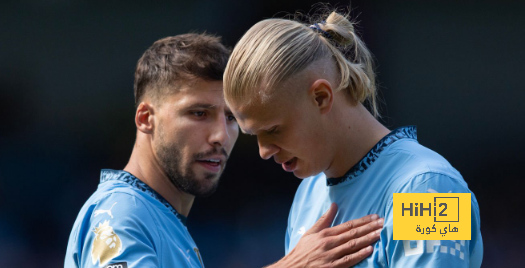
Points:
[(343, 245)]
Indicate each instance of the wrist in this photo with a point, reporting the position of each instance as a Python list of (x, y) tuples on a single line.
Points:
[(288, 261)]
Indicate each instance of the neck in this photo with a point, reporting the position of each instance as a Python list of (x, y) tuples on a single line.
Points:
[(144, 165), (361, 132)]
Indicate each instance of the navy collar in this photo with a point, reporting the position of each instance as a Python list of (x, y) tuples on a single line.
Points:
[(124, 176), (408, 132)]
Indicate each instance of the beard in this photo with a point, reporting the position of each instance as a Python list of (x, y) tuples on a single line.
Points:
[(182, 176)]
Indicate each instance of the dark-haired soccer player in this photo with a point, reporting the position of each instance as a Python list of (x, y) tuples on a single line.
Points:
[(185, 133)]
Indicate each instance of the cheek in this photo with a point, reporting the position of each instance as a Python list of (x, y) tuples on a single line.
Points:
[(182, 141), (313, 149), (234, 134)]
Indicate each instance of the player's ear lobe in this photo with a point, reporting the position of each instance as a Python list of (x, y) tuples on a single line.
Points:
[(144, 118), (323, 95)]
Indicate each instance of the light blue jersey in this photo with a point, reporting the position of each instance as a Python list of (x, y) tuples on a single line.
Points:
[(397, 164), (126, 224)]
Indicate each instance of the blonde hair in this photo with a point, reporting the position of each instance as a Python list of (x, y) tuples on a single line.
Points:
[(275, 49)]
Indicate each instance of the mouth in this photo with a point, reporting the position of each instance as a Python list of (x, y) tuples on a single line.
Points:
[(211, 164), (290, 165)]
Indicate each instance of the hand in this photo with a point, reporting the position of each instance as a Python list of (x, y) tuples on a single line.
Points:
[(343, 245)]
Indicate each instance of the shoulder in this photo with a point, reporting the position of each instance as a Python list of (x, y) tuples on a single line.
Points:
[(122, 210), (412, 166), (115, 224), (417, 158), (119, 199), (432, 182)]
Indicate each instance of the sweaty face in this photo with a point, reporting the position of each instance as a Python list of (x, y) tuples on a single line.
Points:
[(194, 136), (289, 129)]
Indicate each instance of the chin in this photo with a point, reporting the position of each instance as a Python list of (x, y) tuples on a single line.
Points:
[(304, 171), (302, 175), (207, 186)]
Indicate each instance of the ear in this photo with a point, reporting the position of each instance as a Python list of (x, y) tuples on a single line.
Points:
[(322, 93), (144, 119)]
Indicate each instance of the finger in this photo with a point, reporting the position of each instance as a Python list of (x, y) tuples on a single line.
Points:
[(354, 245), (325, 221), (353, 258), (358, 232), (349, 225)]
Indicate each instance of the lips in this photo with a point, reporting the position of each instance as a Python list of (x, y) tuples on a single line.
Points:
[(211, 164), (290, 165)]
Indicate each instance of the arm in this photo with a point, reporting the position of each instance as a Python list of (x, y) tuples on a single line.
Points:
[(343, 245)]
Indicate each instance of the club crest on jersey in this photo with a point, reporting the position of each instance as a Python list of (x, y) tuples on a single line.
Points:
[(106, 244)]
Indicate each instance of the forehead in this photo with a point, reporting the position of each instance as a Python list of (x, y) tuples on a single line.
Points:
[(257, 115), (254, 117), (199, 91), (267, 107)]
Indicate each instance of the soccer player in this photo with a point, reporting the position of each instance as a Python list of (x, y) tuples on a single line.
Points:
[(185, 133), (302, 90)]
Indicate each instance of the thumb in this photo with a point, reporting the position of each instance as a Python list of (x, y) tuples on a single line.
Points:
[(325, 221)]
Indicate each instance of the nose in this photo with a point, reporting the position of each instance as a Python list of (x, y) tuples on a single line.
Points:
[(266, 149), (220, 134)]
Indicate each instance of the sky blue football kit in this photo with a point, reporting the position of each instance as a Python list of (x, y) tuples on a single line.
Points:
[(396, 164), (126, 224)]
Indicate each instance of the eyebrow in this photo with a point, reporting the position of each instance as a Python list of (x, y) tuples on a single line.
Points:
[(202, 106), (250, 133), (207, 106)]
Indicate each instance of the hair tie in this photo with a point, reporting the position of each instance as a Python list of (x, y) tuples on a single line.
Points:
[(318, 29)]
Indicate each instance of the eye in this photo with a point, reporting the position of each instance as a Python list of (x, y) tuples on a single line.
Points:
[(272, 130), (198, 113), (231, 117)]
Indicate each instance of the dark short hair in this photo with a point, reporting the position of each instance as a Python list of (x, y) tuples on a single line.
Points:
[(175, 59)]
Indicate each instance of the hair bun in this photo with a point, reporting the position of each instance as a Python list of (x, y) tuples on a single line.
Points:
[(340, 28)]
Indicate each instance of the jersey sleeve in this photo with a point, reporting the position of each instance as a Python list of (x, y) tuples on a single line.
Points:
[(119, 230), (434, 253)]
